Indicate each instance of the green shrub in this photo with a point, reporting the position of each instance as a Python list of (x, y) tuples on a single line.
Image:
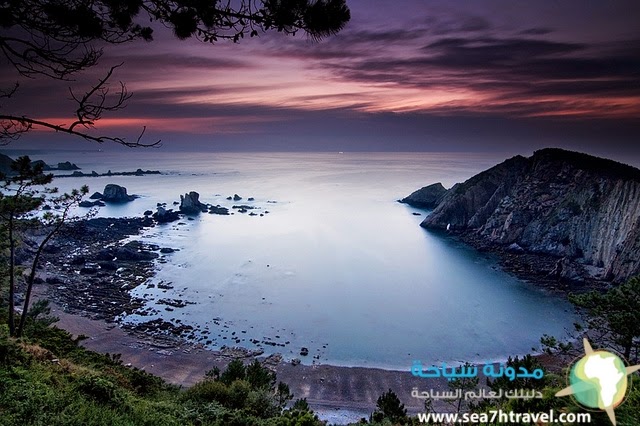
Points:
[(100, 389)]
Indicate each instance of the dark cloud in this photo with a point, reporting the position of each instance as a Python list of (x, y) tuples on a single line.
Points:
[(478, 51), (536, 31), (520, 68), (178, 60)]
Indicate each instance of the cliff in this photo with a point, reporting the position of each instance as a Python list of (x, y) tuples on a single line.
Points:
[(581, 209)]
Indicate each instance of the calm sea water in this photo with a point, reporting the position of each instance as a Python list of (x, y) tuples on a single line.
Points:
[(337, 265)]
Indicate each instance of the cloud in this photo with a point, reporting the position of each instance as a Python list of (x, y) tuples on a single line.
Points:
[(509, 70)]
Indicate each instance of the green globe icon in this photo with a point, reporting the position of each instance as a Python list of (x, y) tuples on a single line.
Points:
[(599, 380)]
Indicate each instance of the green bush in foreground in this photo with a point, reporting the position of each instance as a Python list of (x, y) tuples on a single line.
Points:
[(47, 379)]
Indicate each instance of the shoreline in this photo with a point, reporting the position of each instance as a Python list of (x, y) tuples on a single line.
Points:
[(340, 394), (336, 393)]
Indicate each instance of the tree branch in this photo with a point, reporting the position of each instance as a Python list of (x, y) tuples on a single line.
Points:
[(28, 123)]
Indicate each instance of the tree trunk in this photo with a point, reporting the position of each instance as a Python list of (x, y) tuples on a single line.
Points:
[(12, 279)]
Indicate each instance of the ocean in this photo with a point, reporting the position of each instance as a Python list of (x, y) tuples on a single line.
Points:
[(330, 261)]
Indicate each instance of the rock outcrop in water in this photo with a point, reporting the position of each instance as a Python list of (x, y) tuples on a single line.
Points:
[(116, 194), (190, 203), (583, 210), (426, 197)]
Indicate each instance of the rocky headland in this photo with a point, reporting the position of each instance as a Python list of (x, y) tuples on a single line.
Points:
[(558, 216)]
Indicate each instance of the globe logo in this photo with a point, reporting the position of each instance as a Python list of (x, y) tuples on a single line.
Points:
[(599, 380)]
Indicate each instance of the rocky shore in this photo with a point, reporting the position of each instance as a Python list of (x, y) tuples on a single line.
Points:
[(90, 272), (562, 218)]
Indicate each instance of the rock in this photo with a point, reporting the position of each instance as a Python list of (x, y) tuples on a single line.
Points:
[(41, 163), (163, 215), (46, 207), (147, 213), (304, 351), (124, 254), (116, 194), (67, 166), (54, 280), (218, 210), (236, 197), (96, 203), (96, 196), (77, 174), (582, 209), (166, 250), (190, 203), (250, 199), (427, 197), (295, 361), (515, 248), (108, 265)]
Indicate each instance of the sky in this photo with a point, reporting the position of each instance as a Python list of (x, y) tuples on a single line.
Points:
[(404, 75)]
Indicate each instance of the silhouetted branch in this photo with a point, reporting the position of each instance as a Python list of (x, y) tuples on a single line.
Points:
[(90, 111), (18, 125), (58, 39), (9, 93), (90, 108)]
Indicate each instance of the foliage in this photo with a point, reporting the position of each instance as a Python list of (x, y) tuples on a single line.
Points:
[(21, 195), (613, 318), (57, 39), (389, 407), (527, 362), (49, 380), (462, 384)]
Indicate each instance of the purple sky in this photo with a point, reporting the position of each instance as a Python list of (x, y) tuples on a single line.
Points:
[(405, 75)]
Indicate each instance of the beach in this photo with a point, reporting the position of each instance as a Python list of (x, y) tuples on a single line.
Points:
[(337, 394)]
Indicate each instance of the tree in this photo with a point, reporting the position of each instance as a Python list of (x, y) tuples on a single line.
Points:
[(613, 318), (462, 384), (388, 406), (21, 194), (58, 39)]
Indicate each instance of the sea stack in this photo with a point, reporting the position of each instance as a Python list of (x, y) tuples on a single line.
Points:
[(190, 203), (116, 194)]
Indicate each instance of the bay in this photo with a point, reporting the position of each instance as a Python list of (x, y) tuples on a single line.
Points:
[(336, 265)]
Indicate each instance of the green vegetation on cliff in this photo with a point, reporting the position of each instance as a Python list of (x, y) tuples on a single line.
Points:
[(47, 379)]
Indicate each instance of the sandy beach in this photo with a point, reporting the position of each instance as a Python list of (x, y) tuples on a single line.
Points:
[(337, 394)]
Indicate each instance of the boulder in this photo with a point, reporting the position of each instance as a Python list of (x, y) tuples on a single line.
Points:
[(219, 210), (116, 194), (236, 197), (96, 203), (96, 196), (190, 203), (163, 215)]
